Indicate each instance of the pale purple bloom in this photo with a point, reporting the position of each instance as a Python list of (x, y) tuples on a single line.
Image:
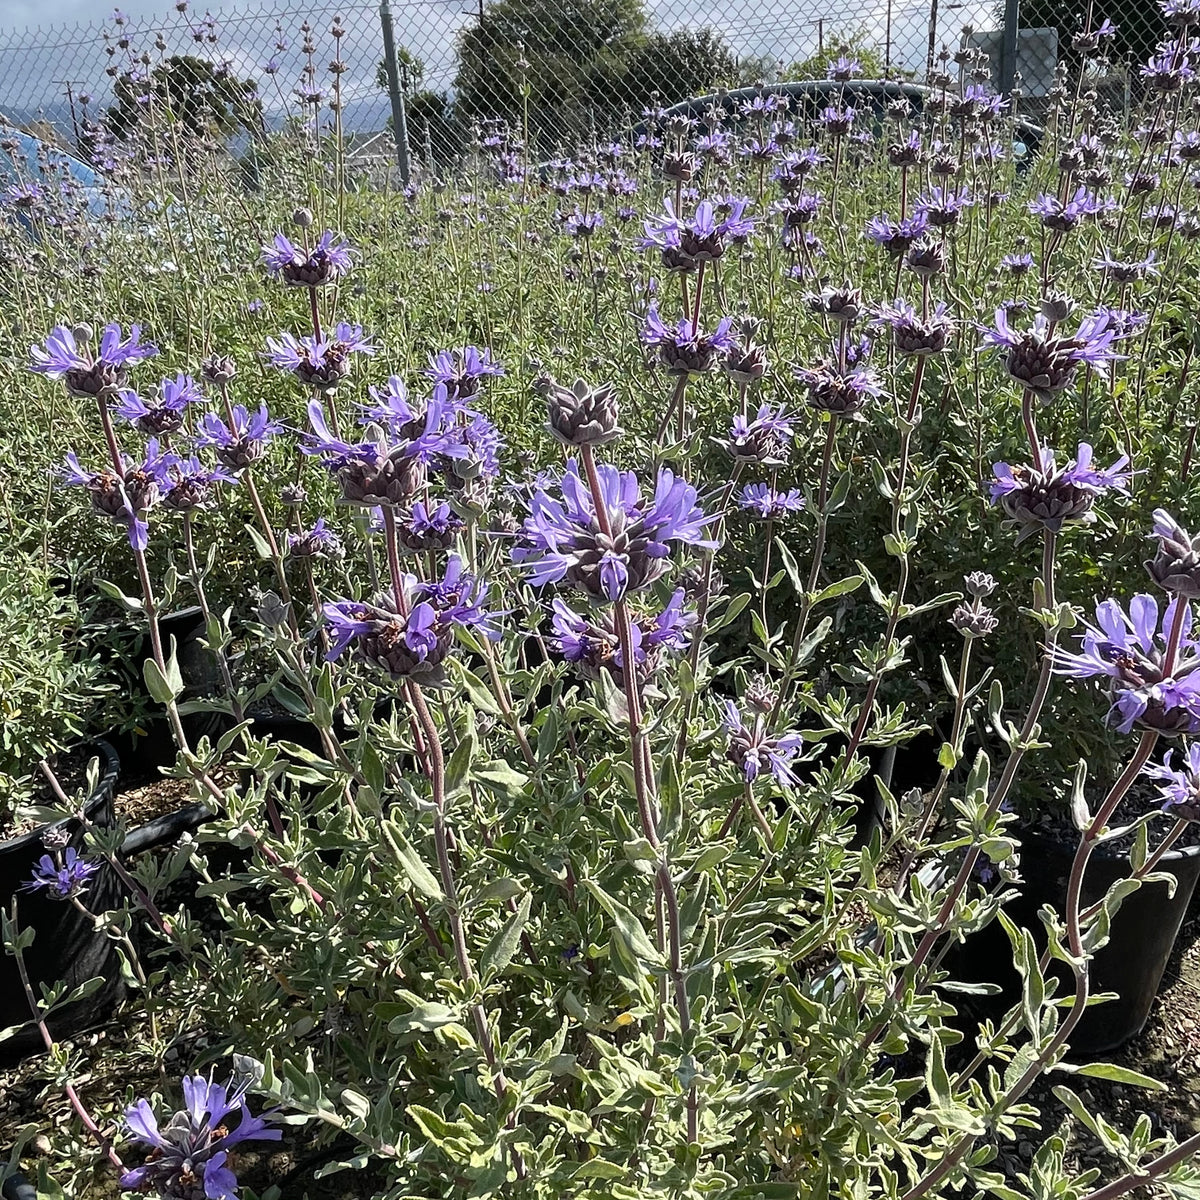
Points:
[(897, 236), (1064, 217), (1179, 786), (245, 441), (843, 68), (913, 334), (165, 413), (593, 644), (1017, 264), (62, 879), (562, 541), (943, 206), (318, 542), (1048, 497), (1046, 363), (190, 485), (324, 263), (127, 497), (412, 640), (682, 348), (763, 438), (88, 373), (767, 502), (703, 238), (320, 362), (1129, 649), (582, 225), (754, 750), (189, 1156), (462, 371)]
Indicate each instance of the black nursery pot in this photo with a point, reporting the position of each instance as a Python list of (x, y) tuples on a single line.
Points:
[(1131, 964), (66, 946)]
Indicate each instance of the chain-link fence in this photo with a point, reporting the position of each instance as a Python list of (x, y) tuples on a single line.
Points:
[(430, 73)]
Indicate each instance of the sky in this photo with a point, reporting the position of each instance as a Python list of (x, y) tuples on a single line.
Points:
[(47, 44)]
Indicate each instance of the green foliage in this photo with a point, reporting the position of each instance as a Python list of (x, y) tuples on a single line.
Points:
[(410, 67), (203, 99), (570, 57), (50, 683), (677, 66), (853, 45)]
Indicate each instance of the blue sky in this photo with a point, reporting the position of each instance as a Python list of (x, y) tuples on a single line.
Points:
[(54, 51)]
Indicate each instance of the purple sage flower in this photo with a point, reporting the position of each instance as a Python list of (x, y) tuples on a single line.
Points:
[(1130, 651), (189, 1156), (1048, 498), (764, 501), (320, 362), (165, 412), (242, 443), (1179, 786), (682, 348), (88, 373), (325, 262), (562, 539), (318, 542), (63, 878), (1046, 362), (125, 497), (753, 749)]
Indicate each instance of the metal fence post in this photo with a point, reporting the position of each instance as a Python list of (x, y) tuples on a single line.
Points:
[(399, 120), (1008, 45)]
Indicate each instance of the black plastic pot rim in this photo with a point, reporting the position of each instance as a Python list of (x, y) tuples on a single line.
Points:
[(110, 768), (168, 828)]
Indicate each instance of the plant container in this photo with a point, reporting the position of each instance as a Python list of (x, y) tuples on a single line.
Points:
[(67, 946), (1131, 964)]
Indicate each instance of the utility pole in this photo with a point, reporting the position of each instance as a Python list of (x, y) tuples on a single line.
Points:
[(69, 84), (821, 35), (1008, 45), (399, 119)]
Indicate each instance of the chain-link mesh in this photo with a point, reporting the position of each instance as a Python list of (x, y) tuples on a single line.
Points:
[(561, 71)]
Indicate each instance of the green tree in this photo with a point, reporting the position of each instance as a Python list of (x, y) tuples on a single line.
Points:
[(855, 45), (571, 56), (678, 66), (411, 68), (205, 99)]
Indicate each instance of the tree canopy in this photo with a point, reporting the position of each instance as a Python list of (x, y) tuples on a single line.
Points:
[(204, 98)]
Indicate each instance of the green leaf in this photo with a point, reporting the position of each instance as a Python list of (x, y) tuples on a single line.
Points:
[(498, 953), (129, 603), (160, 685), (1114, 1074), (419, 875), (947, 758), (261, 545), (843, 587), (477, 691), (501, 777), (459, 766), (630, 927)]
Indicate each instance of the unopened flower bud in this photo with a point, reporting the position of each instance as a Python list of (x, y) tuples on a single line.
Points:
[(581, 415), (974, 621), (1056, 306), (218, 369), (302, 217), (979, 583), (760, 695), (1176, 565)]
